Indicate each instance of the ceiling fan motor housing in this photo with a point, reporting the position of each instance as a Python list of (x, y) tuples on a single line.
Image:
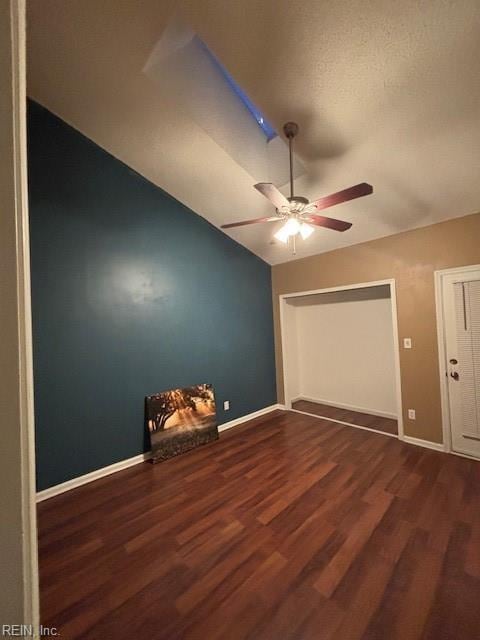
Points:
[(298, 199)]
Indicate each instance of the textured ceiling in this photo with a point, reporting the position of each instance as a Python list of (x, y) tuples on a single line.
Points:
[(386, 92)]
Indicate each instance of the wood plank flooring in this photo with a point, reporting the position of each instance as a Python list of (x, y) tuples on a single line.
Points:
[(385, 425), (294, 528)]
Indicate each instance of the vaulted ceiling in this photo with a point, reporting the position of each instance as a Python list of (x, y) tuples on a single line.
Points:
[(385, 92)]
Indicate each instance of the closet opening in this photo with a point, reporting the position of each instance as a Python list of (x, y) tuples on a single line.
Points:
[(341, 355)]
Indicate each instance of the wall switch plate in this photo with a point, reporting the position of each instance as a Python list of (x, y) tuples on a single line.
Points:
[(407, 343), (411, 414), (226, 405)]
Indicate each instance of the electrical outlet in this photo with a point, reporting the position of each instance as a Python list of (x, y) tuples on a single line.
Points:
[(226, 405), (411, 414), (407, 343)]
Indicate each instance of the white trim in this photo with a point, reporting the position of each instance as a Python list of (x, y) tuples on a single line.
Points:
[(249, 416), (350, 407), (283, 340), (91, 476), (396, 343), (27, 428), (460, 270), (427, 444), (418, 442), (463, 455), (346, 287), (130, 462), (438, 279), (347, 424), (297, 398), (439, 276), (396, 353)]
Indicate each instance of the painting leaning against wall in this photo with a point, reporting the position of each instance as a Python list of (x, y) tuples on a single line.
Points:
[(180, 419)]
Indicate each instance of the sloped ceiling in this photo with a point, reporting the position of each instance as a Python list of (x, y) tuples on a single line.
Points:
[(386, 92)]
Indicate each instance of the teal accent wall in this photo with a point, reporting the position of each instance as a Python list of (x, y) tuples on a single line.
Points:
[(132, 294)]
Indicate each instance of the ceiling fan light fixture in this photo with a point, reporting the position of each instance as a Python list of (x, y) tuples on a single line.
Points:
[(282, 234), (306, 230), (292, 226)]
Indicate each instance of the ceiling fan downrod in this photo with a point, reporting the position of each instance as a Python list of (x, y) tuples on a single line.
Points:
[(297, 212), (290, 129)]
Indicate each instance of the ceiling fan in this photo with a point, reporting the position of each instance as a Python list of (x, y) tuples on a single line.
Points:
[(296, 211)]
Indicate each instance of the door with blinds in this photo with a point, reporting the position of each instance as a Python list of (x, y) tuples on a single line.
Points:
[(461, 296)]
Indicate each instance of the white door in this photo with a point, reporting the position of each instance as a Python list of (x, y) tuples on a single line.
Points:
[(461, 309)]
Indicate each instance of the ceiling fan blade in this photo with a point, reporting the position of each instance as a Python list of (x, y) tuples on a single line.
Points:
[(244, 222), (359, 190), (271, 192), (330, 223)]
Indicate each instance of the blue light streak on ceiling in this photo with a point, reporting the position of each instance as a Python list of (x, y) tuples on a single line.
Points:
[(260, 119)]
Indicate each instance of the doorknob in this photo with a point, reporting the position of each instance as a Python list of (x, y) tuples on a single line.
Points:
[(454, 375)]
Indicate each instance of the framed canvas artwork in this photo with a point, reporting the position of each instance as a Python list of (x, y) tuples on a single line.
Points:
[(180, 419)]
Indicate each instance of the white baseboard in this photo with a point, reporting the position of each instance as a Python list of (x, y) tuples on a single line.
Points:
[(436, 446), (249, 416), (462, 455), (130, 462), (90, 477), (347, 424), (427, 444), (350, 407)]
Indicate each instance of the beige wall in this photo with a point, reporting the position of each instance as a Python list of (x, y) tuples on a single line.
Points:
[(410, 258), (18, 562)]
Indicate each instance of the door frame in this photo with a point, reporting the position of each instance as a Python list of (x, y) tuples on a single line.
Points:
[(396, 342), (439, 277), (19, 329)]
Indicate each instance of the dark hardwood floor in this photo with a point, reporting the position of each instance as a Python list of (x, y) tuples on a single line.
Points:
[(385, 425), (295, 528)]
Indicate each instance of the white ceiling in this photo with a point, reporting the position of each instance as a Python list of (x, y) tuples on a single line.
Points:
[(385, 92)]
